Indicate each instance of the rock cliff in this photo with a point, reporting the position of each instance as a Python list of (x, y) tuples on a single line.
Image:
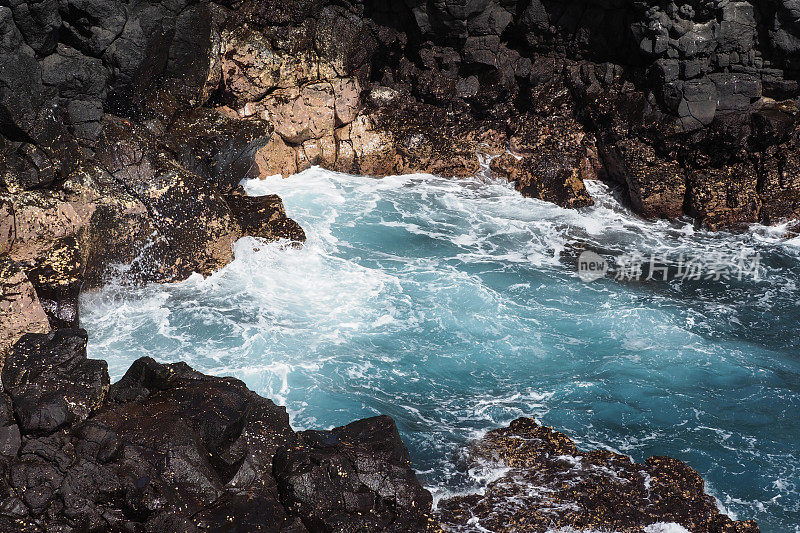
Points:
[(125, 128)]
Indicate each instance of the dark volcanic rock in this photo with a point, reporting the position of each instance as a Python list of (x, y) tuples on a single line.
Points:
[(170, 449), (264, 216), (355, 477), (196, 229), (551, 484), (50, 381), (218, 148), (125, 129)]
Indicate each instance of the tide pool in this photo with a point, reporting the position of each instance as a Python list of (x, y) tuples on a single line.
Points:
[(454, 306)]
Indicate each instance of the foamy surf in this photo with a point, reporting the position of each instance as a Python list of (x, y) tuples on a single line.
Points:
[(454, 307)]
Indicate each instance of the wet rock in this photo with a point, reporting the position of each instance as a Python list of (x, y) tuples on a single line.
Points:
[(195, 226), (779, 189), (57, 275), (265, 217), (547, 176), (726, 197), (168, 448), (218, 148), (24, 166), (51, 382), (552, 484), (656, 186)]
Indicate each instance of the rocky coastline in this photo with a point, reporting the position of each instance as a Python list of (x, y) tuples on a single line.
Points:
[(126, 128)]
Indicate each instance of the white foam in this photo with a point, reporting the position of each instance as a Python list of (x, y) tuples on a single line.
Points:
[(396, 293)]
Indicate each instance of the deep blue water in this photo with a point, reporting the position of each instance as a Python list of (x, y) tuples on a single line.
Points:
[(454, 307)]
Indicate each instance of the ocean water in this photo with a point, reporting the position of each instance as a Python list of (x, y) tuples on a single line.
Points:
[(454, 306)]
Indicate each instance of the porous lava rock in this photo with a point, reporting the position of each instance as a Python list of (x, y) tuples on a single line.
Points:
[(551, 484), (167, 448)]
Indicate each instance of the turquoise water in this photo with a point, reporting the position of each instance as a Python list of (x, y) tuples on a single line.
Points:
[(454, 307)]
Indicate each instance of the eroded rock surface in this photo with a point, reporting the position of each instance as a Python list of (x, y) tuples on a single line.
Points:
[(125, 129), (170, 449), (551, 484)]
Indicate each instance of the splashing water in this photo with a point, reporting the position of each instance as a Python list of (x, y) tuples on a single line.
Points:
[(454, 306)]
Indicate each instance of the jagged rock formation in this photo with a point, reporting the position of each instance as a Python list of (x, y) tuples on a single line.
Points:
[(692, 107), (169, 449), (550, 484), (125, 128)]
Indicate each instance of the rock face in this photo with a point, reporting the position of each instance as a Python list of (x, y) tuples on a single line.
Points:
[(170, 449), (674, 102), (551, 484), (126, 127)]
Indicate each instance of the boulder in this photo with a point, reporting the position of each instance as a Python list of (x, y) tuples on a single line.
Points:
[(353, 477), (580, 490), (50, 381)]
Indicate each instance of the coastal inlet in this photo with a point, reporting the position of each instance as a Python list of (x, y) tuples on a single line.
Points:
[(454, 306)]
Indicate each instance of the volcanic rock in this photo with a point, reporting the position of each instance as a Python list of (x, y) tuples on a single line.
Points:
[(551, 484), (169, 449)]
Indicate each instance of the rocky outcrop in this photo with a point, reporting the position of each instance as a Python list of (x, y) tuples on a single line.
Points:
[(170, 449), (551, 484), (125, 129), (670, 101), (692, 109), (374, 488)]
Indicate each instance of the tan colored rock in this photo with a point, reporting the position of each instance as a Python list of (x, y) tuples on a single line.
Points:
[(345, 156), (301, 114), (8, 232), (320, 104), (276, 157), (312, 151), (343, 133), (20, 310), (374, 150), (328, 151), (251, 68), (302, 160), (43, 216), (347, 99)]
